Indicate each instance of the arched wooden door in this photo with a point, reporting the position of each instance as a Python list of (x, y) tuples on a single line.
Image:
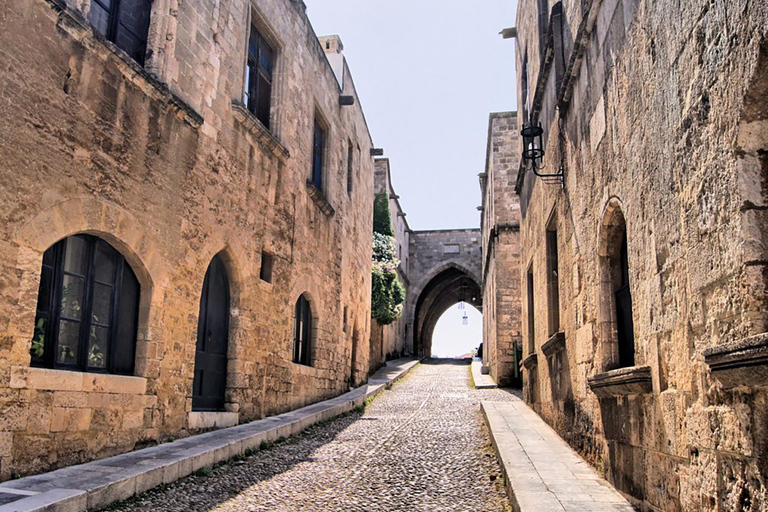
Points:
[(212, 340)]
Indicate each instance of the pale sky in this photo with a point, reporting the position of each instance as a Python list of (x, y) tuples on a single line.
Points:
[(428, 73)]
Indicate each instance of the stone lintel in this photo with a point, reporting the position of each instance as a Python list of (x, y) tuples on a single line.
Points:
[(531, 361), (634, 380), (555, 343), (740, 363)]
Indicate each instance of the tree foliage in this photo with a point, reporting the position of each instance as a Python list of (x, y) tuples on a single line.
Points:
[(382, 223), (387, 294)]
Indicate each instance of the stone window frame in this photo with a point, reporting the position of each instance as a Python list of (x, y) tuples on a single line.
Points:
[(313, 331), (257, 19), (319, 118), (530, 309), (153, 38), (613, 227), (552, 274)]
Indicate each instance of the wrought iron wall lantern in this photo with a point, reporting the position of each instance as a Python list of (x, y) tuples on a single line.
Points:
[(533, 154)]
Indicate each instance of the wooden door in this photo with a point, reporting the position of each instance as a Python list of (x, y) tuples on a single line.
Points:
[(212, 340)]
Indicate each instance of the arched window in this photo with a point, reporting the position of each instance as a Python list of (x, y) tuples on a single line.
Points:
[(615, 313), (87, 308), (623, 299), (303, 332)]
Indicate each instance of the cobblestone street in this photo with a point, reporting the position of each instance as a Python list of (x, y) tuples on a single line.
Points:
[(420, 446)]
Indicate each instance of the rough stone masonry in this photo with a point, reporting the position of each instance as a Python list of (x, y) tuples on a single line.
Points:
[(170, 173), (644, 269)]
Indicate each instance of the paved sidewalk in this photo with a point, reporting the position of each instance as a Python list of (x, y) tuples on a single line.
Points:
[(481, 381), (543, 473), (102, 482)]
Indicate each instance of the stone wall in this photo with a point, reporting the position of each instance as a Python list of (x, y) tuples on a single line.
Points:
[(445, 268), (501, 251), (656, 112), (164, 164)]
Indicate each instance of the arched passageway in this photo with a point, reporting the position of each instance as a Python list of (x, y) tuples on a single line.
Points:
[(458, 332), (449, 287)]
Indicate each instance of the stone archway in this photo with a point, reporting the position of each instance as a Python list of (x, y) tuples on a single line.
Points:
[(449, 287)]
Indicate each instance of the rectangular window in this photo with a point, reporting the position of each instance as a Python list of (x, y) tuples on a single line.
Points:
[(350, 164), (125, 23), (318, 152), (553, 285), (267, 260), (258, 78), (531, 318), (346, 313)]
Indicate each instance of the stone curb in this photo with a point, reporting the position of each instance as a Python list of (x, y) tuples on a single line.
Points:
[(97, 484), (481, 381), (542, 473)]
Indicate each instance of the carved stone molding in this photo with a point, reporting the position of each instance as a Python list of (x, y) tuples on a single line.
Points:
[(554, 344), (741, 363), (531, 361), (634, 380)]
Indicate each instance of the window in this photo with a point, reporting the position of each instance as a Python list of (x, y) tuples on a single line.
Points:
[(87, 308), (267, 261), (258, 78), (125, 23), (623, 297), (318, 152), (543, 26), (524, 89), (302, 332), (346, 313), (553, 287), (531, 318), (350, 164)]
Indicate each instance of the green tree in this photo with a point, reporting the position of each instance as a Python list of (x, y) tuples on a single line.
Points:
[(387, 293), (382, 223)]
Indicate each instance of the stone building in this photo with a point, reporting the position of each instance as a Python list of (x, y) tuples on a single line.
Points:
[(500, 223), (186, 237), (645, 266), (389, 341), (445, 268)]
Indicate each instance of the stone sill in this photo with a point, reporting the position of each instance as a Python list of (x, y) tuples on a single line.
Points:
[(265, 137), (740, 363), (634, 380), (74, 23), (554, 344), (531, 361), (45, 379), (319, 198)]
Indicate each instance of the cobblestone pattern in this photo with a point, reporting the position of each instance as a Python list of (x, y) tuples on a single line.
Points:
[(421, 446)]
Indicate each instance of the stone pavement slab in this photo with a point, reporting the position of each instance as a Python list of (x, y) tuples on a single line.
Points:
[(99, 483), (481, 381), (542, 472)]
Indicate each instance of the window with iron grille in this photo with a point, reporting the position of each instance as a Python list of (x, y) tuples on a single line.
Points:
[(258, 78), (87, 308), (302, 332), (125, 23), (318, 153)]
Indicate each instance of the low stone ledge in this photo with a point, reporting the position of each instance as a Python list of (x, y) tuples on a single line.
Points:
[(555, 343), (200, 420), (97, 484), (634, 380), (319, 198), (531, 361), (47, 379), (740, 363)]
